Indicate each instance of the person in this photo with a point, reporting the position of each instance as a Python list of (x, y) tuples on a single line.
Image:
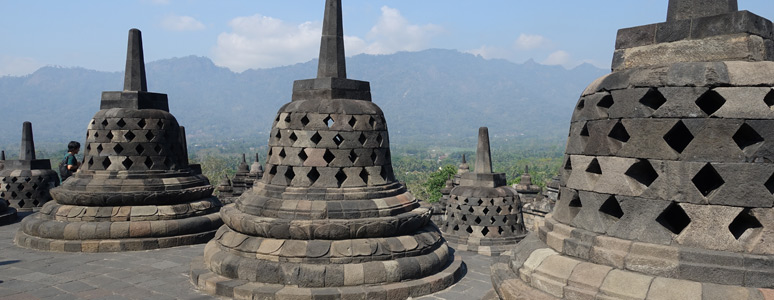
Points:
[(70, 163)]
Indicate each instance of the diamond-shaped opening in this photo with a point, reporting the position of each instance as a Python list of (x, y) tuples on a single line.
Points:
[(35, 186), (139, 149), (485, 231), (352, 121), (328, 156), (121, 123), (160, 124), (157, 149), (304, 120), (581, 104), (480, 202), (374, 156), (316, 138), (109, 135), (364, 175), (744, 222), (21, 202), (678, 137), (106, 162), (118, 148), (769, 184), (289, 174), (302, 155), (338, 140), (148, 162), (313, 174), (606, 101), (372, 122), (127, 163), (707, 180), (167, 162), (575, 202), (328, 121), (499, 210), (594, 167), (477, 220), (769, 99), (150, 135), (362, 139), (27, 179), (287, 118), (456, 227), (141, 123), (653, 99), (379, 139), (471, 210), (19, 187), (643, 172), (746, 136), (710, 102), (619, 133), (674, 218), (568, 164), (273, 170), (584, 130), (469, 229), (277, 118), (96, 134), (486, 210), (129, 136), (611, 208), (278, 135), (352, 156), (282, 153), (91, 161), (14, 179), (500, 230), (492, 220), (35, 202), (341, 177), (464, 218), (293, 137), (104, 122)]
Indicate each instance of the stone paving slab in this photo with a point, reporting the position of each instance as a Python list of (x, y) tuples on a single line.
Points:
[(155, 274)]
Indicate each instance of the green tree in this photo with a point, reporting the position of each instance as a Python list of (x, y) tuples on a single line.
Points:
[(436, 181)]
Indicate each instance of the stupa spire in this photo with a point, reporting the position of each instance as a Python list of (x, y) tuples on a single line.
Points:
[(134, 78), (27, 151), (691, 9), (331, 63), (483, 153)]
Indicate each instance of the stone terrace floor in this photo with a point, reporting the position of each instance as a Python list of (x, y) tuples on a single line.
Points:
[(156, 274)]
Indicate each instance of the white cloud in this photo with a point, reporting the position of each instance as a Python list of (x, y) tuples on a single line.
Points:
[(558, 58), (18, 66), (490, 52), (531, 41), (181, 23), (264, 42), (393, 33)]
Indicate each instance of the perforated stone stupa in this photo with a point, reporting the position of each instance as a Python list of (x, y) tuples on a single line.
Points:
[(483, 213), (25, 183), (135, 189), (328, 219), (668, 178)]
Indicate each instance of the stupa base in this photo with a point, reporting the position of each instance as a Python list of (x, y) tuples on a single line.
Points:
[(214, 284), (128, 236), (533, 270), (482, 246), (8, 216)]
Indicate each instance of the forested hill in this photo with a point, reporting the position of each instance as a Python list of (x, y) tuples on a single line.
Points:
[(433, 96)]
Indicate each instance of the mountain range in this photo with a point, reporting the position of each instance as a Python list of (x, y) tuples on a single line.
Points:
[(432, 96)]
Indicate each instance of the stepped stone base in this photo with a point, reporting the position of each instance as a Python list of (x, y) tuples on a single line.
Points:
[(134, 236), (8, 216), (483, 246), (533, 270), (214, 284)]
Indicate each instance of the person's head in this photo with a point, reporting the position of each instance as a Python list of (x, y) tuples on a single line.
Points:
[(73, 147)]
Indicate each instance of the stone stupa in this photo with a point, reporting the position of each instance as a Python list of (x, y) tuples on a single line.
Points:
[(328, 219), (135, 189), (483, 213), (25, 183), (7, 214), (256, 173), (667, 183), (528, 192)]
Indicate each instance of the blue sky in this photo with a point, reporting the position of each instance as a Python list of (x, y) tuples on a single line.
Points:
[(241, 34)]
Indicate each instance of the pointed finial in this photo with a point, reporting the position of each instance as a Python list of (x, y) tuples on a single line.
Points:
[(483, 154), (463, 159), (691, 9), (331, 63), (526, 169), (2, 155), (256, 158), (134, 78), (27, 151)]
